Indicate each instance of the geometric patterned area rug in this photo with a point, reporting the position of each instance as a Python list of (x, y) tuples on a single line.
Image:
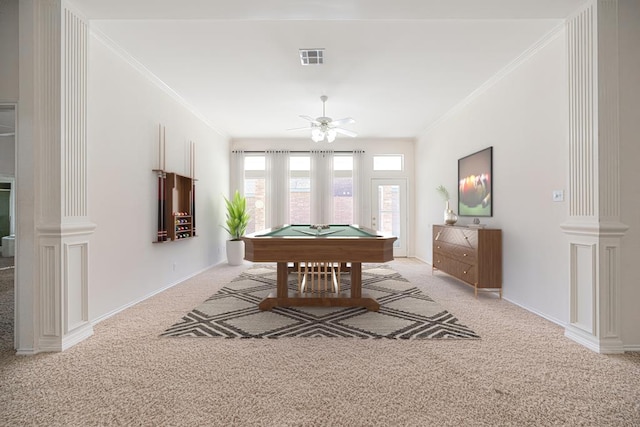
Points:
[(405, 312)]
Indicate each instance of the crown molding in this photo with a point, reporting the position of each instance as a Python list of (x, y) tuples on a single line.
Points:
[(505, 71), (149, 75)]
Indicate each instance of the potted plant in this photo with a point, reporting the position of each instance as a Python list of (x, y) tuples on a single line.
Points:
[(450, 216), (236, 225)]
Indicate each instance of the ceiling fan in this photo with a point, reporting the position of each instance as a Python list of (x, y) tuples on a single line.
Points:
[(324, 127)]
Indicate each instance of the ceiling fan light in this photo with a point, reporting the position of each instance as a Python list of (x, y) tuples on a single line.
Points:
[(323, 128), (317, 135), (331, 135)]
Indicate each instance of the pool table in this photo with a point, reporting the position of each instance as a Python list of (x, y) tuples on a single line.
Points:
[(336, 243)]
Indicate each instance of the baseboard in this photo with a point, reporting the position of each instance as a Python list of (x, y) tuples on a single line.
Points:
[(26, 352), (51, 344), (77, 335), (603, 346), (145, 297), (536, 312), (420, 259)]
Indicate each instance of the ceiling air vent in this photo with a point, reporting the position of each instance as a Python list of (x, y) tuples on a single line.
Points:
[(312, 56)]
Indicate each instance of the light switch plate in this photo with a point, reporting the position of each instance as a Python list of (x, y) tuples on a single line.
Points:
[(558, 195)]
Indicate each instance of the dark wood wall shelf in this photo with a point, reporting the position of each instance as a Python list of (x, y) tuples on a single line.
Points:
[(176, 206)]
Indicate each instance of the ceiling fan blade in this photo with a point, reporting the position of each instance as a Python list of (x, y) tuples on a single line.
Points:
[(346, 132), (8, 134), (311, 119), (345, 121), (302, 128), (327, 127)]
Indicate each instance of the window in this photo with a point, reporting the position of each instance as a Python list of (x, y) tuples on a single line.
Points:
[(393, 162), (255, 191), (300, 190), (342, 193)]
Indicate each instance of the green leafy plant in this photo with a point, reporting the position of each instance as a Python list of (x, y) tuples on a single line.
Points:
[(237, 216), (443, 192)]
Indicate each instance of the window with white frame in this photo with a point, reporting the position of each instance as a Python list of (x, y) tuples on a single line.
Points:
[(300, 189), (255, 191), (388, 162), (331, 191), (342, 193)]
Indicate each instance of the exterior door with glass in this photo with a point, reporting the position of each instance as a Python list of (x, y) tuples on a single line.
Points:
[(389, 210)]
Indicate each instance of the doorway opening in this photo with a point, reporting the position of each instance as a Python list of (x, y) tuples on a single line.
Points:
[(7, 225), (389, 211)]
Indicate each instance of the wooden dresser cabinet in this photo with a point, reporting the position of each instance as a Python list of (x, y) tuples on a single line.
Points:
[(471, 255)]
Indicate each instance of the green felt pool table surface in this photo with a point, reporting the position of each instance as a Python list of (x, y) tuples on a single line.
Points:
[(305, 230)]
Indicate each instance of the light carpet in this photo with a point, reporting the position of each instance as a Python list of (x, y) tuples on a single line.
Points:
[(523, 372), (405, 312)]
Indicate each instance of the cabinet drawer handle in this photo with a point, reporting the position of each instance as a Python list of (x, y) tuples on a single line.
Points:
[(464, 254), (464, 272), (438, 247)]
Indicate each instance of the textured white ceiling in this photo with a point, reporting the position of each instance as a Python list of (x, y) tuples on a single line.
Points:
[(396, 67)]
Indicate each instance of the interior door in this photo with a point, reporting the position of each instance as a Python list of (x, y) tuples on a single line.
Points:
[(389, 210)]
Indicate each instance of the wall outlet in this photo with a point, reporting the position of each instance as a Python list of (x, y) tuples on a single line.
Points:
[(558, 195)]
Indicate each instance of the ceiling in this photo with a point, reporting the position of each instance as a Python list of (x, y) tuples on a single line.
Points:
[(395, 67)]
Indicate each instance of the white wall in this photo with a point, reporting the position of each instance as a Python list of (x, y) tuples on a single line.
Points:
[(125, 108), (524, 117), (9, 50), (629, 36)]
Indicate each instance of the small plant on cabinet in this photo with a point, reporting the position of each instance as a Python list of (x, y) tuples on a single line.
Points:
[(444, 193)]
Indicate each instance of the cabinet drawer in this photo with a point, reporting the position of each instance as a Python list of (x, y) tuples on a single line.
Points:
[(464, 271), (458, 252), (463, 237)]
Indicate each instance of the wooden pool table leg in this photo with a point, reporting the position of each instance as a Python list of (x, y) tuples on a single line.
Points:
[(356, 289), (282, 280), (282, 298), (356, 280)]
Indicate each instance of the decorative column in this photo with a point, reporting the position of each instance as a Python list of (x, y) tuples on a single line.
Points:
[(593, 228), (53, 118)]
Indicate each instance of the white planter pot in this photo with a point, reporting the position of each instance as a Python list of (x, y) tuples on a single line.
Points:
[(235, 252)]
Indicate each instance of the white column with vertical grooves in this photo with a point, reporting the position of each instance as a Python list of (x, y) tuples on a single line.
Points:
[(59, 128), (593, 226)]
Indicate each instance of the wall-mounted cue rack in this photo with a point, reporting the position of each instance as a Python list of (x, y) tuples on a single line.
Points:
[(176, 197)]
